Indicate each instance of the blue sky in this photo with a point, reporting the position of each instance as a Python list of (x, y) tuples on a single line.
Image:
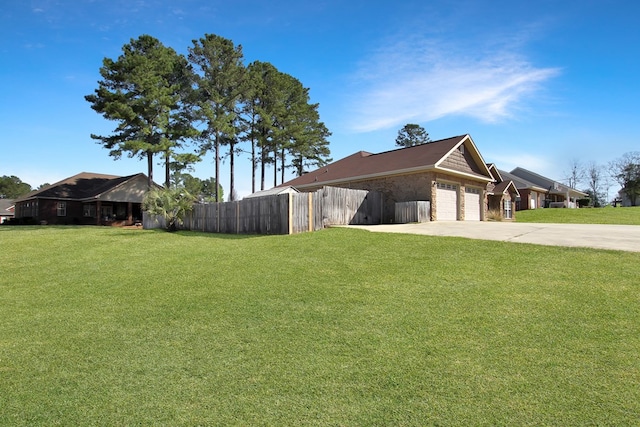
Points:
[(536, 84)]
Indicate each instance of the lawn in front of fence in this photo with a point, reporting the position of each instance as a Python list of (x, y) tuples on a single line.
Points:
[(340, 327)]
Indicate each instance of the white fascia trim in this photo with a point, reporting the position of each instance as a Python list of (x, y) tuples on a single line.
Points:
[(475, 154), (464, 174)]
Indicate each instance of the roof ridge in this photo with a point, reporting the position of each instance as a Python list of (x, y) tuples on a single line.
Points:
[(420, 145)]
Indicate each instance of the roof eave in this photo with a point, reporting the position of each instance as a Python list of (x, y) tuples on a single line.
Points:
[(367, 176), (395, 173), (468, 175)]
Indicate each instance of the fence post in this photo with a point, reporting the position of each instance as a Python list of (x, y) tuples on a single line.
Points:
[(290, 213), (310, 204)]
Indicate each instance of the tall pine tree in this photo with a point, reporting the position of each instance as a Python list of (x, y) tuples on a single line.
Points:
[(218, 77), (143, 91)]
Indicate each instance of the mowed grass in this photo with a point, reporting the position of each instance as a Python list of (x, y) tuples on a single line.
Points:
[(104, 326), (607, 215)]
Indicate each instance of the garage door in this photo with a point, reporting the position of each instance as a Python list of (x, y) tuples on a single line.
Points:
[(471, 204), (447, 202)]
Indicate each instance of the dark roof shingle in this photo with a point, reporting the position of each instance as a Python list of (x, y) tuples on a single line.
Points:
[(364, 164), (82, 186)]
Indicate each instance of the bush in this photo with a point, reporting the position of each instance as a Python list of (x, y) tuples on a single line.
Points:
[(494, 215), (170, 203)]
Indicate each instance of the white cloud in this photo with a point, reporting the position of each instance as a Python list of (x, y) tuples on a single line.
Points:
[(420, 79)]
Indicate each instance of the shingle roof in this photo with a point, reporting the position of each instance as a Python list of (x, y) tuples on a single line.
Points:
[(5, 204), (501, 187), (524, 178), (82, 186), (363, 164), (519, 182)]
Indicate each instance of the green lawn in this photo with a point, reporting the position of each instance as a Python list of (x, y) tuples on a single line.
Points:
[(105, 326), (608, 215)]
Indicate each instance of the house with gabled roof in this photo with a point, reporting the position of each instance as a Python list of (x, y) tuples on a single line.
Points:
[(87, 199), (450, 173), (537, 191), (502, 195)]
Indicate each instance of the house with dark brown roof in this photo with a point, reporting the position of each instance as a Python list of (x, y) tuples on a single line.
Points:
[(537, 191), (502, 196), (85, 198), (449, 173)]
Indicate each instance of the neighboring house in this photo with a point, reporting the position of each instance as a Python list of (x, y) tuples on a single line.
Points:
[(86, 198), (502, 195), (271, 192), (623, 199), (6, 210), (450, 173), (537, 191)]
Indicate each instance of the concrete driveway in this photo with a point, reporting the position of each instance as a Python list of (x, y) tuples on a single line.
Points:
[(617, 237)]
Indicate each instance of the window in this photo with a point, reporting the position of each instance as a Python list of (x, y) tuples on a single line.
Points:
[(89, 210), (507, 209), (445, 186), (472, 190), (106, 212), (62, 208)]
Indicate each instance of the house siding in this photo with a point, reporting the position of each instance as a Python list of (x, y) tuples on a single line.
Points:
[(133, 192), (461, 162), (525, 199)]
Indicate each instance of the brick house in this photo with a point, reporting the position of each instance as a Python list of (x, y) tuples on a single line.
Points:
[(85, 199), (449, 173), (537, 191)]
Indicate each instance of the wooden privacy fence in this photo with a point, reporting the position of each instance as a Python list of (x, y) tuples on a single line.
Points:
[(415, 211), (283, 213)]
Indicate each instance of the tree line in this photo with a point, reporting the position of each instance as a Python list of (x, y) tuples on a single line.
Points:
[(596, 179), (179, 108)]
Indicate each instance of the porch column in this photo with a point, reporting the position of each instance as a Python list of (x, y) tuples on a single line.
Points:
[(129, 213), (98, 208)]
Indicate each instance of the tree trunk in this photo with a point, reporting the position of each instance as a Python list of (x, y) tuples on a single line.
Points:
[(217, 166), (150, 169), (167, 170), (232, 196), (275, 166), (263, 160), (253, 165), (282, 156)]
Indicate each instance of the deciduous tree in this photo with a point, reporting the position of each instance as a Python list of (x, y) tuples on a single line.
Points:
[(576, 174), (597, 185), (626, 171)]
